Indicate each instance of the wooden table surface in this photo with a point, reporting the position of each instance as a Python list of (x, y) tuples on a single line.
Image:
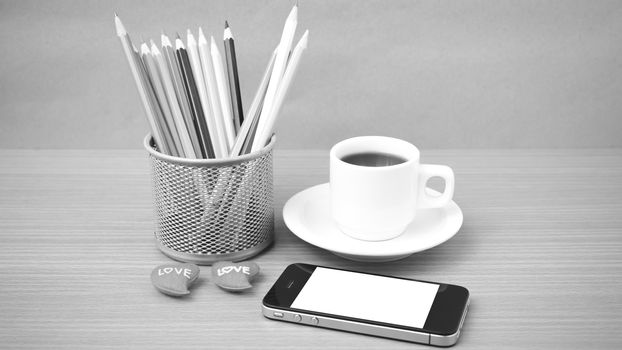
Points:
[(540, 251)]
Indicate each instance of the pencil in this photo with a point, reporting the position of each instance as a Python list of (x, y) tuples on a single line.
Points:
[(223, 91), (134, 63), (169, 89), (157, 110), (180, 92), (248, 143), (261, 138), (247, 130), (234, 79), (193, 95), (212, 86), (219, 143), (280, 63), (162, 103)]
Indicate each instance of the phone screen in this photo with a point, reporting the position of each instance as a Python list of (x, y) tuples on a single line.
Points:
[(370, 297)]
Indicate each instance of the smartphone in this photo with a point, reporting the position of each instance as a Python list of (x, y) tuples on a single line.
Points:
[(391, 307)]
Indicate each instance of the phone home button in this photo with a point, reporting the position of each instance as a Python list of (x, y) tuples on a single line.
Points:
[(297, 318)]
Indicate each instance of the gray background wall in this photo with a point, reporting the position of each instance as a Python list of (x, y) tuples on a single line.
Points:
[(442, 74)]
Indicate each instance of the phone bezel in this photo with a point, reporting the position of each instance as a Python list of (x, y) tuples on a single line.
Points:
[(444, 318)]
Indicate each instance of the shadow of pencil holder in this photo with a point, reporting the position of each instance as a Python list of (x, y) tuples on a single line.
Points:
[(209, 210)]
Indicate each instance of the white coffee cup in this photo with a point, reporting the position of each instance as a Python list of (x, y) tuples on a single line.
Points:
[(376, 203)]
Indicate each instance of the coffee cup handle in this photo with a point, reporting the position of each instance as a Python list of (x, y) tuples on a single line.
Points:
[(428, 171)]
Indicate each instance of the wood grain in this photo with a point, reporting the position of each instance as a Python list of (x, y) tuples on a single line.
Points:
[(540, 250)]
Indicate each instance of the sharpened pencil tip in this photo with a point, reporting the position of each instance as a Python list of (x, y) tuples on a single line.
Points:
[(115, 14), (179, 44), (120, 27), (154, 49), (227, 34), (144, 49), (305, 38), (202, 40), (178, 36), (165, 40), (190, 38), (293, 14), (226, 24)]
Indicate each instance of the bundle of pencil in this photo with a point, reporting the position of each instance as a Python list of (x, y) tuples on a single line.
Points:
[(192, 99)]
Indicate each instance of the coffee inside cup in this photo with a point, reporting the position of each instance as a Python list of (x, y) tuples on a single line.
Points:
[(373, 159)]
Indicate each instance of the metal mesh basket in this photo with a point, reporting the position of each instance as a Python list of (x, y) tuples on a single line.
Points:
[(212, 209)]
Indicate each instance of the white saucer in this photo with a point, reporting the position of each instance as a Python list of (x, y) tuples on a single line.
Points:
[(307, 215)]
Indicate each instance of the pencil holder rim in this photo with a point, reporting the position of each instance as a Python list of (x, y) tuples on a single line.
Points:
[(147, 143)]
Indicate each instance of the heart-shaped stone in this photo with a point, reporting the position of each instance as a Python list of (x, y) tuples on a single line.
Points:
[(234, 277), (174, 279)]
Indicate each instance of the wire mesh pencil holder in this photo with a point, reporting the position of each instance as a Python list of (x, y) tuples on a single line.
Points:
[(208, 210)]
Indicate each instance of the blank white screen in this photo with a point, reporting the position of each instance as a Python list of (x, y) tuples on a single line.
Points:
[(369, 297)]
